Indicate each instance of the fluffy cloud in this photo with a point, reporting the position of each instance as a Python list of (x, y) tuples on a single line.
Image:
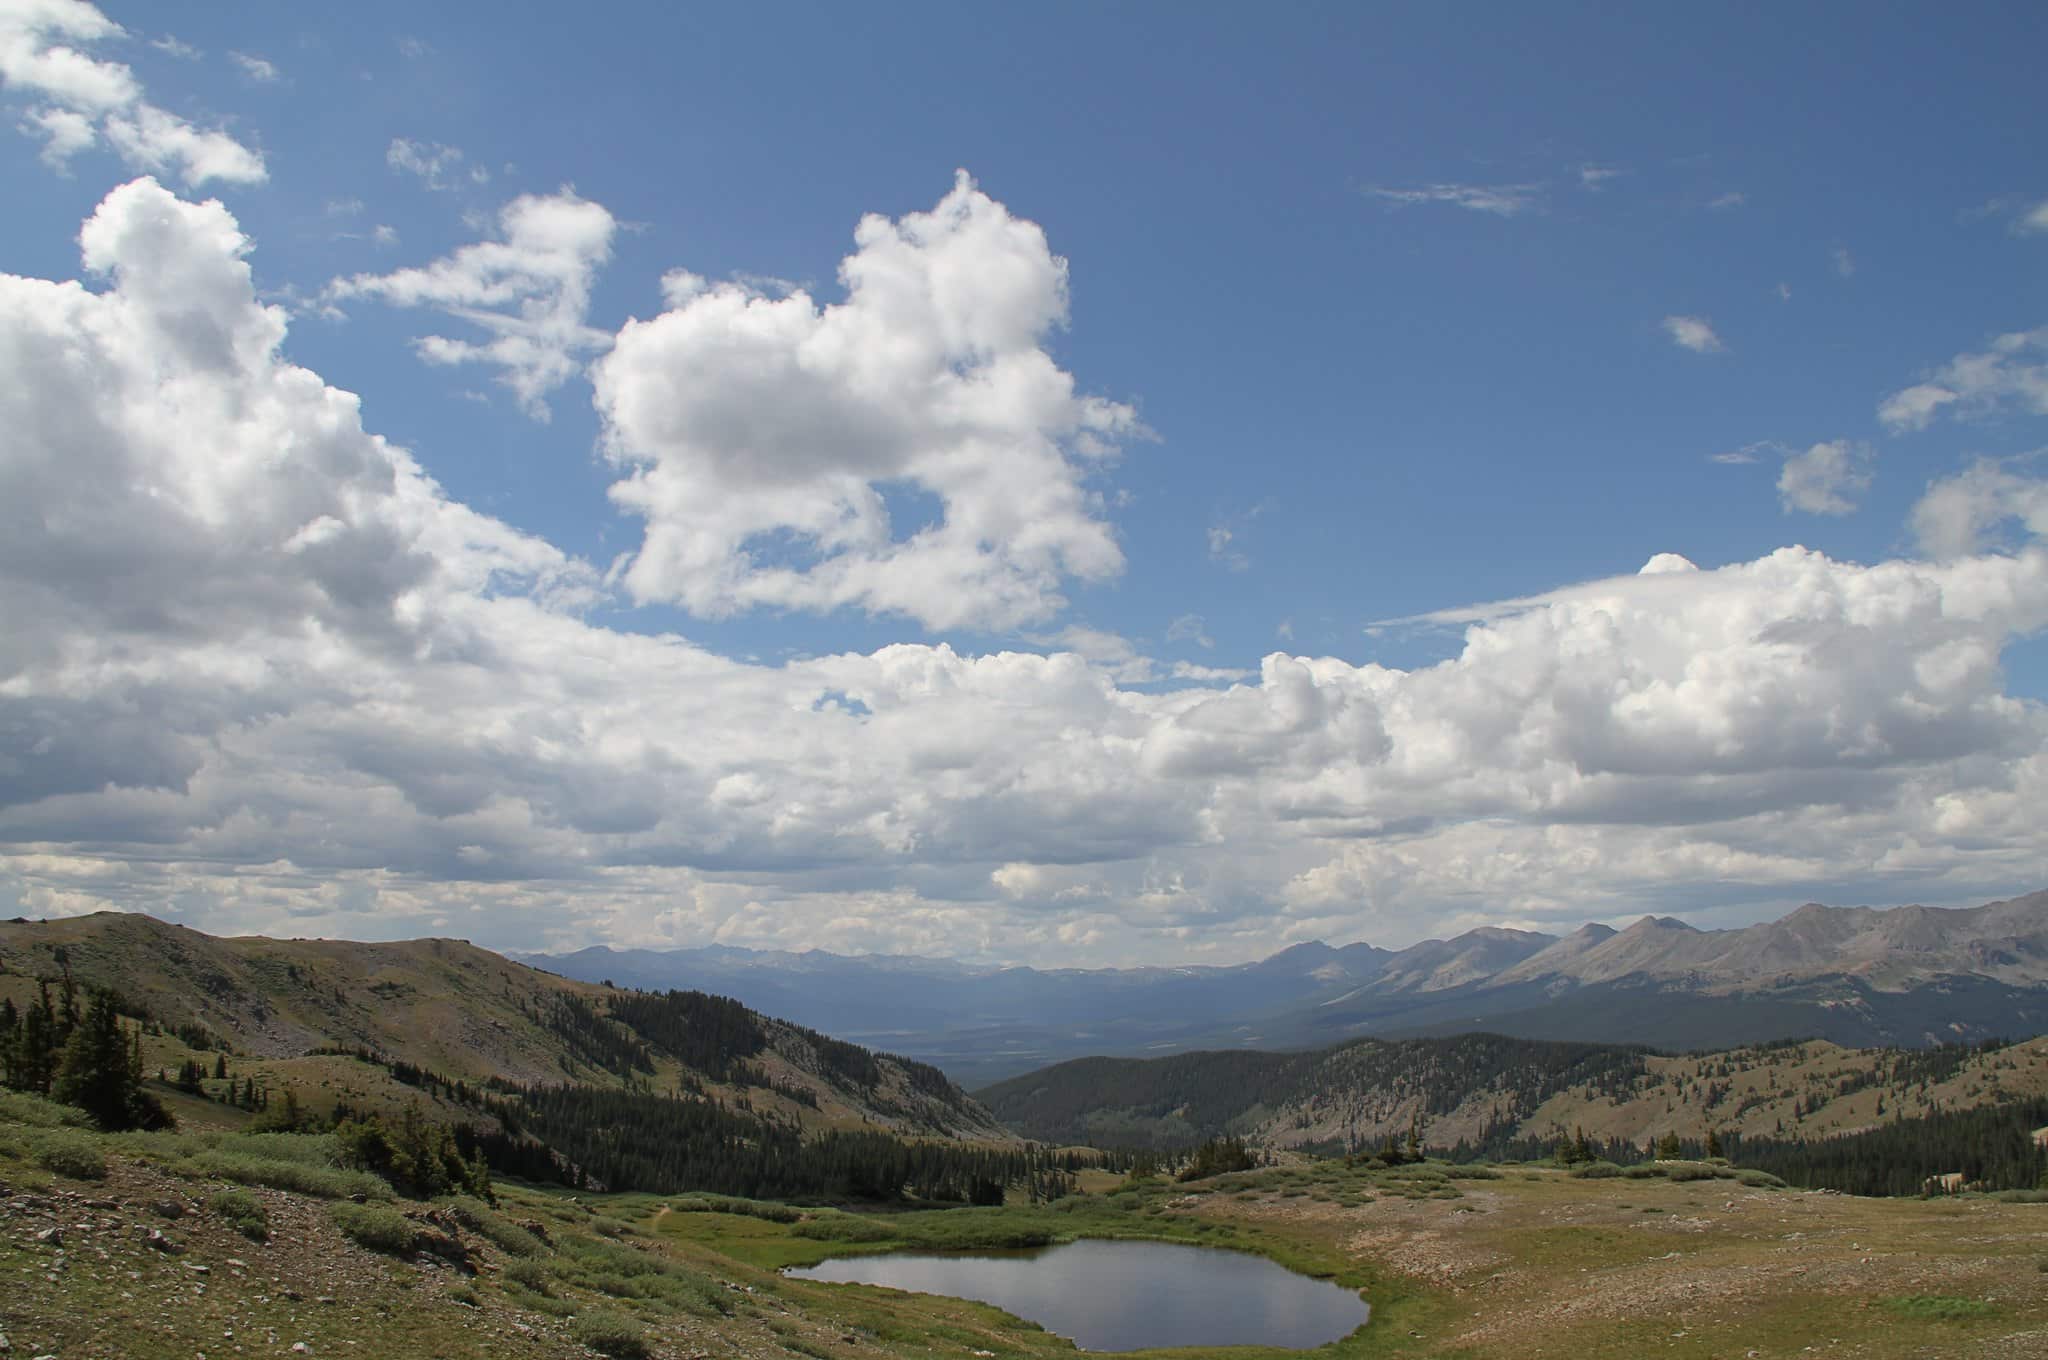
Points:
[(1827, 479), (2012, 372), (1692, 332), (765, 435), (262, 674), (1959, 513), (529, 292), (38, 58)]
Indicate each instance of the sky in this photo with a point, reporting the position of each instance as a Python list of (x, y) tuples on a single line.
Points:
[(1073, 484)]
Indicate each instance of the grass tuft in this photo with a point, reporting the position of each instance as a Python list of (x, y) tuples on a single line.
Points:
[(1938, 1307)]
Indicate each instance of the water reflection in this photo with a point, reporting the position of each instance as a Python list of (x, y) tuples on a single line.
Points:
[(1123, 1296)]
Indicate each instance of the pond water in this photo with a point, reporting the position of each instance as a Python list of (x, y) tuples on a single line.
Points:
[(1126, 1296)]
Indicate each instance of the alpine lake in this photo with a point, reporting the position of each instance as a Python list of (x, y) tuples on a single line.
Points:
[(1125, 1295)]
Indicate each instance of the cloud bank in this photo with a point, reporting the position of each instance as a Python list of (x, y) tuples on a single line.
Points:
[(262, 673)]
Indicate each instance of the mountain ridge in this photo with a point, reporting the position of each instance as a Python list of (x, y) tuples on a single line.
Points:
[(464, 1013), (1853, 974)]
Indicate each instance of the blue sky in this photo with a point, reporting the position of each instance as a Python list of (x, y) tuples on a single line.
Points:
[(1384, 314)]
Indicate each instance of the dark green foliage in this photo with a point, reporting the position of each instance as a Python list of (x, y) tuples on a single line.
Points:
[(635, 1140), (1217, 1157), (1991, 1144), (710, 1034), (100, 1071), (418, 1158)]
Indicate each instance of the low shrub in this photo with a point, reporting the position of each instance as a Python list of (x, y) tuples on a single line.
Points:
[(242, 1210), (1759, 1180), (727, 1204), (1595, 1171), (19, 1107), (72, 1154), (502, 1232), (531, 1275), (1644, 1171), (323, 1182), (1473, 1173), (375, 1227), (842, 1228), (610, 1333)]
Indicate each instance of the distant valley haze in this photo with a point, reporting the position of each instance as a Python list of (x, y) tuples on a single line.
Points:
[(1912, 976)]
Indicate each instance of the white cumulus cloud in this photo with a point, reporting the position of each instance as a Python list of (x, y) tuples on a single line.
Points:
[(765, 434)]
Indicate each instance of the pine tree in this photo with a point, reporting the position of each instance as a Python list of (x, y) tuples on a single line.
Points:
[(97, 1074)]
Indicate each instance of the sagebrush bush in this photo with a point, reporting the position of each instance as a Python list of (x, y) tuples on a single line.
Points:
[(375, 1227), (726, 1204), (1595, 1171), (1691, 1171), (243, 1210), (71, 1154), (529, 1274), (508, 1236), (20, 1107), (610, 1333), (305, 1178)]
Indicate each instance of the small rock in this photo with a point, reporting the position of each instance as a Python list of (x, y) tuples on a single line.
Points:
[(168, 1208), (54, 1236), (301, 1348), (170, 1246)]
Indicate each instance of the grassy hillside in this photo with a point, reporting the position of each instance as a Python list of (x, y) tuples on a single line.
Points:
[(1489, 1091), (288, 1011), (163, 1246)]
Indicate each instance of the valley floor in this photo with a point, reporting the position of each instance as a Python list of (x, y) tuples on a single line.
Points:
[(146, 1262)]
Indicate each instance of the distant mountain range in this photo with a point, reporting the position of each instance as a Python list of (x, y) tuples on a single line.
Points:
[(1858, 976)]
